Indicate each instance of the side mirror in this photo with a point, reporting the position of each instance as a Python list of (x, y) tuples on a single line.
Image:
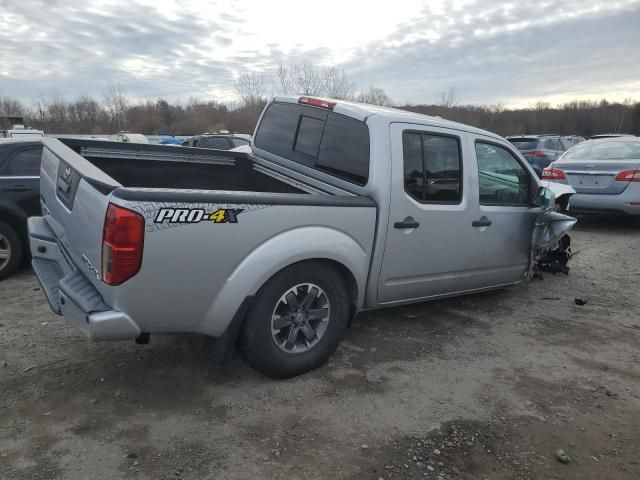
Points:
[(544, 198)]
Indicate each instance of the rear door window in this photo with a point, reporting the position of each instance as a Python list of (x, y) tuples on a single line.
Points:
[(432, 167)]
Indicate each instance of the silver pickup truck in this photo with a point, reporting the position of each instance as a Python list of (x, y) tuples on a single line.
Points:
[(339, 208)]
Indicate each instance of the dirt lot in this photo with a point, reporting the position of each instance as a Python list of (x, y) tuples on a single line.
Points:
[(482, 387)]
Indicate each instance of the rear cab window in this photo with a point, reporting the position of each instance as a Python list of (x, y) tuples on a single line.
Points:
[(317, 138)]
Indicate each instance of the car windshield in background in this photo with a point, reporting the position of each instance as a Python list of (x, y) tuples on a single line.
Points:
[(604, 151), (524, 143)]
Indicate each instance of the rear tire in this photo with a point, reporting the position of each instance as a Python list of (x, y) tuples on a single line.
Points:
[(297, 321), (10, 250)]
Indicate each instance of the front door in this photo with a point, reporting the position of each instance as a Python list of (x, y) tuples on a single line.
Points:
[(505, 207)]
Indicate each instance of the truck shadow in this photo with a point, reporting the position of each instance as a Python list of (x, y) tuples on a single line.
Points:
[(419, 330)]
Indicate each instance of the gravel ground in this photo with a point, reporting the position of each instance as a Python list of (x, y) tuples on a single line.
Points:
[(487, 386)]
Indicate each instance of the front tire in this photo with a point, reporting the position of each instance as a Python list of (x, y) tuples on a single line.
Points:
[(296, 322), (10, 250)]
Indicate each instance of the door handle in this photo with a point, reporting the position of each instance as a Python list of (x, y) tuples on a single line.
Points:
[(483, 222), (408, 222), (16, 188)]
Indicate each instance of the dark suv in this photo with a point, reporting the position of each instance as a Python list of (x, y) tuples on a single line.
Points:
[(19, 199), (541, 150)]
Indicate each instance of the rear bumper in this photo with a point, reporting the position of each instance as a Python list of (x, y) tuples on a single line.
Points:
[(70, 293), (600, 203)]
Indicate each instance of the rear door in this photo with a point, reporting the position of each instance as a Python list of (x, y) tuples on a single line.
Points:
[(20, 178), (427, 251)]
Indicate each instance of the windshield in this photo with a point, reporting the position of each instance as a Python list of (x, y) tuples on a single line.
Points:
[(604, 151), (524, 143)]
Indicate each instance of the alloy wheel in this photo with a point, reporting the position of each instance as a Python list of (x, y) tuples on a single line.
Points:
[(300, 318)]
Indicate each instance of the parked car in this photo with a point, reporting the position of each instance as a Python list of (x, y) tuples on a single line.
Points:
[(19, 131), (605, 174), (341, 207), (218, 141), (169, 139), (540, 150), (609, 135), (127, 137), (19, 199), (574, 139)]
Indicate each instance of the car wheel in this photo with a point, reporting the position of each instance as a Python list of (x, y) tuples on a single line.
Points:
[(296, 322), (10, 250)]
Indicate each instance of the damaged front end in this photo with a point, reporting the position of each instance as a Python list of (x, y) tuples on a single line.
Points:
[(550, 244)]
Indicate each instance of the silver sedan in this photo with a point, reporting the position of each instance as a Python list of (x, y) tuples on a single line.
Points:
[(604, 173)]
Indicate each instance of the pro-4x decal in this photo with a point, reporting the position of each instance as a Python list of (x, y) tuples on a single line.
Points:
[(197, 215)]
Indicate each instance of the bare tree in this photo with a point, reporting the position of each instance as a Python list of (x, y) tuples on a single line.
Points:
[(448, 98), (302, 79), (374, 96), (11, 106), (251, 88), (337, 84), (116, 101)]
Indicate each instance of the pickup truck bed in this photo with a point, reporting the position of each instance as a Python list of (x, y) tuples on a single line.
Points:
[(150, 166)]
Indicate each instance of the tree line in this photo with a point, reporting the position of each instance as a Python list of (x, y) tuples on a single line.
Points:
[(116, 110)]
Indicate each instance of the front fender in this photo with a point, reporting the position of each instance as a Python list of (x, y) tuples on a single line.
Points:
[(278, 252)]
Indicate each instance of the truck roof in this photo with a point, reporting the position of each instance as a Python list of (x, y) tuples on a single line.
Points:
[(363, 111)]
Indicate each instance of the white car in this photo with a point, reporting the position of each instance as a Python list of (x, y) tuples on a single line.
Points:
[(127, 137), (19, 131)]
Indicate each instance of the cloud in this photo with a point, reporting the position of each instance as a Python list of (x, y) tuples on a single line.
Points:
[(497, 55), (494, 52)]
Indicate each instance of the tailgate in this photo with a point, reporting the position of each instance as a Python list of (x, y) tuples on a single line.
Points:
[(74, 195)]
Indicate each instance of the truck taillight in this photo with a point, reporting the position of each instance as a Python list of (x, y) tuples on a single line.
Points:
[(628, 176), (551, 173), (122, 242), (316, 102)]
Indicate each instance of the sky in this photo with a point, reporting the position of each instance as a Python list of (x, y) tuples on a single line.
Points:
[(509, 53)]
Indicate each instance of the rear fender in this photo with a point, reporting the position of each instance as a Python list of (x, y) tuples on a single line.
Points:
[(277, 253)]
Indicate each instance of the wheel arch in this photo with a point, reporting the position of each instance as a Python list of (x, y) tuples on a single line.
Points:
[(344, 272), (303, 245)]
